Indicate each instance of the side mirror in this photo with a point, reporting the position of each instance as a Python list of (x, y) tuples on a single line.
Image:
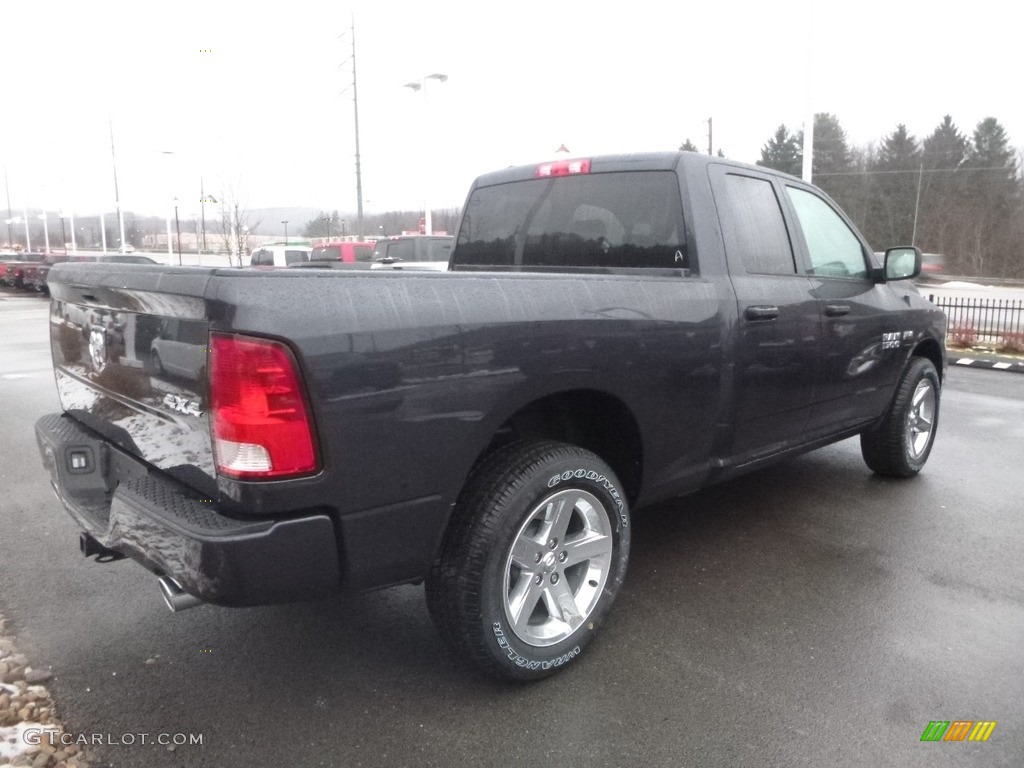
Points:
[(902, 263)]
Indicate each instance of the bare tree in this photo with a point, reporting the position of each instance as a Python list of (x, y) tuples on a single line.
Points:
[(235, 224)]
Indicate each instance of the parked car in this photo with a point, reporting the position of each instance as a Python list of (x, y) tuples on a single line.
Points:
[(279, 255), (344, 251), (12, 272), (613, 332), (37, 275), (413, 252)]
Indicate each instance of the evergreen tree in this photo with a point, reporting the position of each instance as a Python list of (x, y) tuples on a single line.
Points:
[(993, 192), (894, 178), (941, 213), (833, 162), (688, 146), (783, 152)]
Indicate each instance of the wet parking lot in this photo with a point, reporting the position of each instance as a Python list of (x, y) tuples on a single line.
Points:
[(808, 614)]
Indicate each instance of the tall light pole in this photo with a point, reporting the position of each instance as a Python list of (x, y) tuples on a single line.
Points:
[(285, 222), (421, 85), (177, 226), (10, 216), (46, 231), (103, 232), (355, 111), (28, 240), (203, 200), (63, 234), (117, 196)]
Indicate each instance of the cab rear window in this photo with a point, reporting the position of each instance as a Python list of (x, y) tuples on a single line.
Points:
[(619, 220)]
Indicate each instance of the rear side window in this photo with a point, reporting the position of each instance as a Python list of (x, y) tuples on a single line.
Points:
[(623, 220), (261, 258), (833, 249), (363, 252), (439, 250), (753, 228), (326, 253), (397, 249)]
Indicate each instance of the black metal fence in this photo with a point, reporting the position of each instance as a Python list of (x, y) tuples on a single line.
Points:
[(990, 319)]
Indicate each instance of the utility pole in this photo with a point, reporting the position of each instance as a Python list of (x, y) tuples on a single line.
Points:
[(355, 106), (710, 147), (808, 164), (917, 203)]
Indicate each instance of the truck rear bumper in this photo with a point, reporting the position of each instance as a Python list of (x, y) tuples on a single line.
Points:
[(173, 531)]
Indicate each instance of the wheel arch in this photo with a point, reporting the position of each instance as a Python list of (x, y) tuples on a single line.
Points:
[(592, 419), (930, 349)]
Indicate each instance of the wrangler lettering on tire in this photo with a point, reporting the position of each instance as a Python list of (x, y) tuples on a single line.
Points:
[(536, 552)]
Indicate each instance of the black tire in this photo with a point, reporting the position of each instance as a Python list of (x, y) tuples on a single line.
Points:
[(517, 535), (899, 446)]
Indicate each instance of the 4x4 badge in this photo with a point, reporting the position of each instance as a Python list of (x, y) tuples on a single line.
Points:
[(181, 405)]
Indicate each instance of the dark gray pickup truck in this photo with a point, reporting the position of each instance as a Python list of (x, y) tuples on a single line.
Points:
[(612, 331)]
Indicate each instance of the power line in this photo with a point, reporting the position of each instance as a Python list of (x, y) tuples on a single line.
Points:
[(915, 171)]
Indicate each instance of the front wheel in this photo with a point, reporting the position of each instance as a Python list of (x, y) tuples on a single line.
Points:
[(900, 445), (535, 554)]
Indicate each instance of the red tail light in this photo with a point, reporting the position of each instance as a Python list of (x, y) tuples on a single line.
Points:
[(563, 168), (259, 415)]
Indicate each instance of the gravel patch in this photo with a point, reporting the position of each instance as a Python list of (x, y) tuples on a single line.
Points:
[(30, 731)]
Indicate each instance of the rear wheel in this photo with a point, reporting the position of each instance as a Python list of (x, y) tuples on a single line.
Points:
[(535, 554), (900, 445)]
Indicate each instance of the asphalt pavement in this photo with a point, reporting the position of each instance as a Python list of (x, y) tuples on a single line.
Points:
[(809, 614)]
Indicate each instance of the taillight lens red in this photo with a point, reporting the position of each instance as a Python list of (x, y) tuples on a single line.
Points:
[(260, 419), (563, 168)]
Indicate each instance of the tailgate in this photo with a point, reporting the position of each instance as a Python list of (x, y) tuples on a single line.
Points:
[(129, 348)]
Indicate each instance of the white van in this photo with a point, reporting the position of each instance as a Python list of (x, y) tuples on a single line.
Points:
[(279, 255)]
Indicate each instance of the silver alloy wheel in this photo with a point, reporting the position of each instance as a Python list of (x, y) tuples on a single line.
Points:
[(921, 418), (556, 569)]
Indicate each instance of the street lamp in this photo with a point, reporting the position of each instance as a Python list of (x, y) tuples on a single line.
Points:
[(203, 200), (420, 86), (74, 243), (46, 231), (285, 222), (63, 234)]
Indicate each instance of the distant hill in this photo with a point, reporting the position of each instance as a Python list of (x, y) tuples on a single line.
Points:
[(267, 221)]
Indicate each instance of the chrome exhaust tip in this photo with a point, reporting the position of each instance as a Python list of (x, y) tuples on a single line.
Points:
[(175, 598)]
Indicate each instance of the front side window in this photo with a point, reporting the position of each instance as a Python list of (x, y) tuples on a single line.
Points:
[(295, 257), (753, 228), (261, 258), (833, 248), (623, 220)]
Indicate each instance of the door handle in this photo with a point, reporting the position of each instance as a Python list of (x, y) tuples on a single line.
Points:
[(837, 310), (761, 312)]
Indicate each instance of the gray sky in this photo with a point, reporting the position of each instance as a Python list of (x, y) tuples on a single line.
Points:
[(246, 95)]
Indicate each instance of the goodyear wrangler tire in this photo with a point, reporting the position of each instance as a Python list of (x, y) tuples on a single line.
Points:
[(535, 555), (900, 445)]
